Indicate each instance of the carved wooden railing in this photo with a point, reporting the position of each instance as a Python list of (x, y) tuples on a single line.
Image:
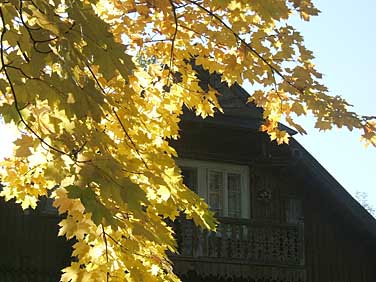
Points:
[(242, 250), (243, 240)]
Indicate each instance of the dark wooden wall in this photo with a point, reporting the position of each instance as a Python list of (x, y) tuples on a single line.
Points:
[(202, 142), (30, 250), (336, 250)]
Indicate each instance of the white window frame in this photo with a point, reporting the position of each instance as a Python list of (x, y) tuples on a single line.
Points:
[(203, 167)]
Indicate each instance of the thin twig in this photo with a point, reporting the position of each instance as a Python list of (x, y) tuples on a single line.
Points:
[(105, 242), (276, 90), (130, 139), (28, 29), (13, 90), (173, 39), (247, 45), (95, 78), (122, 247)]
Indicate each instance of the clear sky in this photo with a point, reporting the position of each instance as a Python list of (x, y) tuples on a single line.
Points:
[(343, 38)]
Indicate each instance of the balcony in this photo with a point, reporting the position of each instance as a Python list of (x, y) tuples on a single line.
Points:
[(242, 248)]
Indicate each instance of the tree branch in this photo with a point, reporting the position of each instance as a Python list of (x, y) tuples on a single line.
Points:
[(105, 242), (14, 92), (130, 139), (173, 38), (274, 69)]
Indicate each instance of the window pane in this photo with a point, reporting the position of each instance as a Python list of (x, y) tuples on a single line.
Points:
[(215, 191), (190, 177), (234, 195)]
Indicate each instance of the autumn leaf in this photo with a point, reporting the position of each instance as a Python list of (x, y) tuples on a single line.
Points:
[(323, 125), (298, 108), (24, 146)]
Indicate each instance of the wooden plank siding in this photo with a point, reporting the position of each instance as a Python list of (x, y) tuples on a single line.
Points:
[(256, 249), (335, 250), (30, 250)]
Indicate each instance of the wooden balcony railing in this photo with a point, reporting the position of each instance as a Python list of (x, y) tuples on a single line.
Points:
[(243, 241)]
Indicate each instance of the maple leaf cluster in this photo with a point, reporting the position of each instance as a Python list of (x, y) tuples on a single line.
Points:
[(97, 89)]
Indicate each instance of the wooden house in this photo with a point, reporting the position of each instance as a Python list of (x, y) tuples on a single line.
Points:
[(283, 217)]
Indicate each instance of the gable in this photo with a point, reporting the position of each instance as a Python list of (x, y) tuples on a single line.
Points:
[(237, 110), (246, 117)]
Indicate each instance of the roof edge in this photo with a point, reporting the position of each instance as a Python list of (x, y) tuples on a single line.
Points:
[(336, 190)]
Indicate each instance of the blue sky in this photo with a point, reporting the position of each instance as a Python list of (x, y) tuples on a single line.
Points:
[(343, 38)]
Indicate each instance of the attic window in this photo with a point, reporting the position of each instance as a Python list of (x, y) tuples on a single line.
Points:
[(223, 186)]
